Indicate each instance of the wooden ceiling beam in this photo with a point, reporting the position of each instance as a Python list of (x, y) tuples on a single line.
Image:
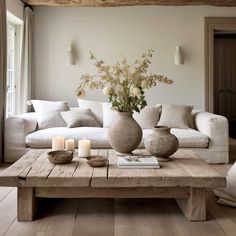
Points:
[(119, 3)]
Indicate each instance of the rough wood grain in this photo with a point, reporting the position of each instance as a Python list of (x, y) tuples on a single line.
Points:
[(194, 208), (73, 192), (117, 3), (26, 204)]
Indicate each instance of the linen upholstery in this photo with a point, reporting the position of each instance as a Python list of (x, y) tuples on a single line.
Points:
[(216, 128), (95, 107), (227, 195), (211, 129), (98, 136), (109, 115), (16, 130), (148, 117), (80, 118), (48, 113), (176, 116)]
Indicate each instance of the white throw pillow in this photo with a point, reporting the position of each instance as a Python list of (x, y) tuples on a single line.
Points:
[(95, 107), (148, 117), (109, 115), (176, 116), (48, 113)]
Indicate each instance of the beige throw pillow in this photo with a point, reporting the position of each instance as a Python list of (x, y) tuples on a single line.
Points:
[(48, 113), (148, 117), (176, 116), (79, 118), (95, 107)]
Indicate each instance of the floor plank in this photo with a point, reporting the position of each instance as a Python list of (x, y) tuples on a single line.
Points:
[(166, 218), (7, 211), (4, 191), (95, 217)]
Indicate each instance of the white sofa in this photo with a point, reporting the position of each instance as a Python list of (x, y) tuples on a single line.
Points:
[(209, 139)]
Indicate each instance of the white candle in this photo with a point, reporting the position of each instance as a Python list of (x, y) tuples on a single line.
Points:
[(84, 147), (70, 145), (58, 143)]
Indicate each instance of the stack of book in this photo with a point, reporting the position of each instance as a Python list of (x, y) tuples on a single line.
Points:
[(141, 162)]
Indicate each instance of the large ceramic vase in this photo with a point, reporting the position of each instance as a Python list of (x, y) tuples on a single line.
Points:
[(125, 134), (161, 143)]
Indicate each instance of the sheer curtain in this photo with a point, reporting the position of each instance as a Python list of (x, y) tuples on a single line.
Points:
[(3, 73), (26, 61)]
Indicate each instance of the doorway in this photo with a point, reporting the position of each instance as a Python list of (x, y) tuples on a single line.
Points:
[(225, 77), (220, 74)]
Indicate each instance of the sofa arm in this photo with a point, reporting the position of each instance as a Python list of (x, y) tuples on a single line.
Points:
[(16, 129), (217, 129)]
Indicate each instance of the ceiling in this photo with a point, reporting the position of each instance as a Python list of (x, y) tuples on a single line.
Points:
[(116, 3)]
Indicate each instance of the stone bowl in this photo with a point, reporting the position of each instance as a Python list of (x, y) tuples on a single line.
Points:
[(97, 161), (60, 157)]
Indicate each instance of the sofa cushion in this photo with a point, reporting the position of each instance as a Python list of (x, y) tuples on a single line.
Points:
[(188, 138), (48, 113), (148, 117), (95, 107), (109, 115), (79, 118), (176, 116)]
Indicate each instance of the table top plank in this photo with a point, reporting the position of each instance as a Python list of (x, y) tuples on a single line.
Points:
[(117, 177), (10, 176), (35, 170), (100, 174)]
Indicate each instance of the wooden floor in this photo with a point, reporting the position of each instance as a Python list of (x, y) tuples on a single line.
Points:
[(107, 217)]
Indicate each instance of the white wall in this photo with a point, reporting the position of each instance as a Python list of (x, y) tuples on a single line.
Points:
[(15, 7), (110, 32)]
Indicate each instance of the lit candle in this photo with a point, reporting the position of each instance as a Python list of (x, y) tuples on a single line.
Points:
[(58, 143), (70, 145), (84, 147)]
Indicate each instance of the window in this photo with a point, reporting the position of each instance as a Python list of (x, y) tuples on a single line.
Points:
[(13, 63)]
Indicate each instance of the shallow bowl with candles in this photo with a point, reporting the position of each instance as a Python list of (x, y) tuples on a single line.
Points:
[(60, 156)]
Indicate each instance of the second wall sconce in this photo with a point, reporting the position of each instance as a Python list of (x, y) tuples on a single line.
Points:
[(71, 56), (179, 56)]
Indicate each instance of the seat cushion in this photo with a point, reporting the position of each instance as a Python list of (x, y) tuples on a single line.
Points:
[(43, 138), (188, 138)]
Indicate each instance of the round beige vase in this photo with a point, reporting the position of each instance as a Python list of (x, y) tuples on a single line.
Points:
[(125, 134), (161, 143)]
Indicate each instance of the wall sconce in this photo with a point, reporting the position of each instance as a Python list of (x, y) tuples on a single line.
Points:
[(179, 57), (71, 56)]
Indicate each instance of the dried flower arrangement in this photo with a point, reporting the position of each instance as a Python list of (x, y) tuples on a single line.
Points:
[(123, 84)]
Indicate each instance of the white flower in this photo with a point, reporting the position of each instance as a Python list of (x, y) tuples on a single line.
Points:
[(107, 91), (135, 92), (144, 84)]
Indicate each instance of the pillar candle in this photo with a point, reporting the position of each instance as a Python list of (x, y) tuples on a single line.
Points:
[(70, 145), (84, 147), (58, 143)]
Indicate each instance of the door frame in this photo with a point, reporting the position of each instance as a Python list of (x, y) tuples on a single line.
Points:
[(226, 24)]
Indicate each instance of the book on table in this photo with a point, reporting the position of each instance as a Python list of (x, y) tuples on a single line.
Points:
[(141, 162)]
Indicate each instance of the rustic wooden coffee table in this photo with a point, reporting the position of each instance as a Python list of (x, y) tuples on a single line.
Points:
[(185, 178)]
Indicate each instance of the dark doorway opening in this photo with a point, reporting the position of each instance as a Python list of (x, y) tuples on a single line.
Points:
[(225, 78)]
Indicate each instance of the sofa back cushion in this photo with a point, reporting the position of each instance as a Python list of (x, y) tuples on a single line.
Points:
[(176, 116), (95, 107), (147, 118), (48, 113), (79, 118)]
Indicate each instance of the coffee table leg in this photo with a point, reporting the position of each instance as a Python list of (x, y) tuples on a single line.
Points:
[(194, 207), (26, 204)]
